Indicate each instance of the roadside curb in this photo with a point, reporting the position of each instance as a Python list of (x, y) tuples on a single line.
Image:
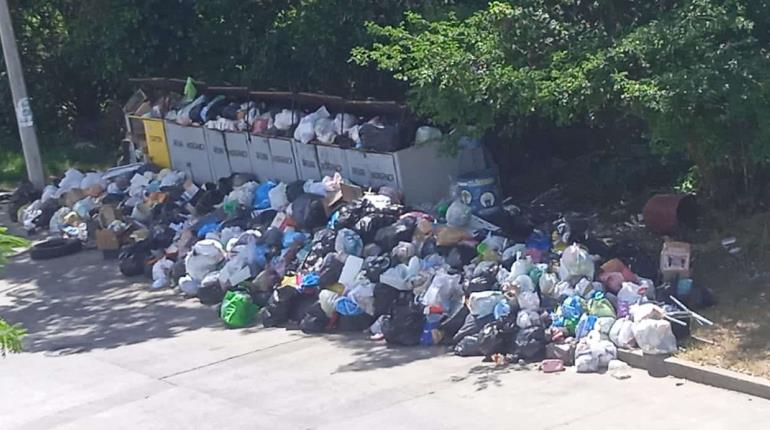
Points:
[(715, 377)]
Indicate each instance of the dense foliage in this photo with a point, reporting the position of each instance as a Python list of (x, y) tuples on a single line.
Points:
[(696, 71)]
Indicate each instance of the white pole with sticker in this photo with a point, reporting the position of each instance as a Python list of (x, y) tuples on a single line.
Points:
[(21, 104)]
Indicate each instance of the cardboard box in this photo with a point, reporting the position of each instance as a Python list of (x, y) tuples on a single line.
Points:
[(282, 157), (675, 260), (259, 156), (219, 161), (189, 151), (237, 145), (107, 240)]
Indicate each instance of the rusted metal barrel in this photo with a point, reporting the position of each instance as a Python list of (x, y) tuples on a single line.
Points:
[(666, 213)]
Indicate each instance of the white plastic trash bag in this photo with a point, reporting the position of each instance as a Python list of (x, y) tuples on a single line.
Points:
[(327, 299), (521, 266), (444, 291), (527, 318), (483, 303), (161, 272), (576, 262), (426, 134), (286, 119), (458, 214), (622, 334), (204, 257), (234, 272), (305, 131), (396, 277), (278, 198), (363, 295), (528, 300), (524, 283), (189, 286), (71, 179), (49, 192), (654, 336), (548, 283), (344, 122), (324, 130), (593, 354)]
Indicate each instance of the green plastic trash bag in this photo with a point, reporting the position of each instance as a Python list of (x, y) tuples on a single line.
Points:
[(189, 90), (600, 306), (237, 309)]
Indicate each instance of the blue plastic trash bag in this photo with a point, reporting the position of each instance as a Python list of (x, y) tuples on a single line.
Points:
[(333, 220), (291, 237), (572, 307), (346, 306), (207, 228), (584, 326), (310, 281), (349, 242), (262, 195), (502, 309)]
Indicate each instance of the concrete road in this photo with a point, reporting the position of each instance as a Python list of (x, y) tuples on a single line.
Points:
[(107, 353)]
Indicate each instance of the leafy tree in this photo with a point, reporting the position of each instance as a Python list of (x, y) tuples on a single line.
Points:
[(695, 71)]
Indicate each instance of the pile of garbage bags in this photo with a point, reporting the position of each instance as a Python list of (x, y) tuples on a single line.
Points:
[(299, 255)]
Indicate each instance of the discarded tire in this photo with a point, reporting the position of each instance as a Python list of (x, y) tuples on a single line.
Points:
[(54, 248)]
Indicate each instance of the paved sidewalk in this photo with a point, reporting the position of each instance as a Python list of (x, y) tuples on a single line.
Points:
[(108, 353)]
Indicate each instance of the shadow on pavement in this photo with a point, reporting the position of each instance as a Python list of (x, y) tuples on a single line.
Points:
[(82, 302)]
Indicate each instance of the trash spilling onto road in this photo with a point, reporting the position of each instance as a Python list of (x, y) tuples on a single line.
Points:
[(485, 277), (329, 257)]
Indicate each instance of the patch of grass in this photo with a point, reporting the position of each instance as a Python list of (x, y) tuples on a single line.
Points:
[(59, 152), (741, 333)]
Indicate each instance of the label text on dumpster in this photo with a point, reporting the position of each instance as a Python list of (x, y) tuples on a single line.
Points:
[(330, 166), (282, 160), (309, 163), (261, 156), (383, 176), (237, 153), (196, 146)]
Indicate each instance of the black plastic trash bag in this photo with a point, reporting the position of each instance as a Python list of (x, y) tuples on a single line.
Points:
[(383, 138), (294, 190), (308, 212), (210, 291), (400, 231), (330, 274), (301, 305), (354, 323), (478, 284), (375, 266), (451, 324), (314, 321), (404, 325), (496, 338), (530, 344), (278, 308), (385, 297), (472, 326), (460, 256), (468, 347)]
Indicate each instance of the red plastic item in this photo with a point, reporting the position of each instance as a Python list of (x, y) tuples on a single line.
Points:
[(552, 365)]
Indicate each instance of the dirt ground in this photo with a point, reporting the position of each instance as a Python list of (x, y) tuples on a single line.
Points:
[(741, 334)]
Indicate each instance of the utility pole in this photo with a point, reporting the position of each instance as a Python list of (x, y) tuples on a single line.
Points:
[(20, 99)]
